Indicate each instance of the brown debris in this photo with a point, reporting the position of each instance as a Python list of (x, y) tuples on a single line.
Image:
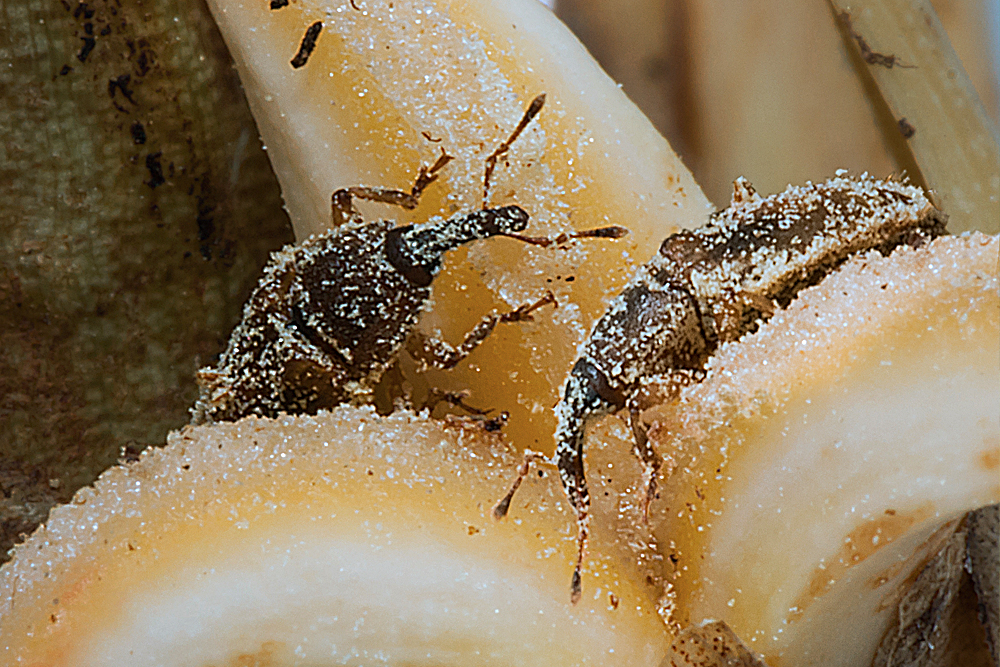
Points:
[(935, 622)]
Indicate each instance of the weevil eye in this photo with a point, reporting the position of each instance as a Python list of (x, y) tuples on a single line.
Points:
[(511, 219)]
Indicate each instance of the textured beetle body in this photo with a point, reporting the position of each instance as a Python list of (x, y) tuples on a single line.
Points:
[(713, 285), (331, 314)]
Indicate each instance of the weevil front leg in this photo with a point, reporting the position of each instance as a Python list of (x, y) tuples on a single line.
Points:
[(501, 508), (441, 354), (648, 459), (569, 461), (343, 204), (436, 396)]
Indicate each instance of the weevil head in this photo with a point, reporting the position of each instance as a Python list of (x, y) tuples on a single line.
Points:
[(505, 220), (590, 391)]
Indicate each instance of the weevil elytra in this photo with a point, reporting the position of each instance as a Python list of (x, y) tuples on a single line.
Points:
[(330, 315), (710, 286)]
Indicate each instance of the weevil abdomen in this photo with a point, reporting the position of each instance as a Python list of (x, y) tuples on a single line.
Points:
[(760, 252)]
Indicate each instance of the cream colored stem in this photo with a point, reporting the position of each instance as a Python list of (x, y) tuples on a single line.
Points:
[(924, 83)]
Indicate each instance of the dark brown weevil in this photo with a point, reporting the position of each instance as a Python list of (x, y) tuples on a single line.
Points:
[(711, 286), (330, 315)]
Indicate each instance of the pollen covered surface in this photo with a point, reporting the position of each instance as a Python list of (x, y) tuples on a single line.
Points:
[(864, 415), (344, 538)]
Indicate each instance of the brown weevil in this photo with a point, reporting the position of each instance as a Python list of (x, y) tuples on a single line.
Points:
[(330, 314), (710, 286)]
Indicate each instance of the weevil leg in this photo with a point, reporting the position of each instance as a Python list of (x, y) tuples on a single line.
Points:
[(491, 161), (569, 461), (501, 508), (731, 313), (654, 390), (441, 354), (455, 398), (648, 459), (609, 232), (586, 397), (343, 204)]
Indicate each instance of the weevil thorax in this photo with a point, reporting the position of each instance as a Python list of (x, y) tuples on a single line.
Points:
[(651, 327)]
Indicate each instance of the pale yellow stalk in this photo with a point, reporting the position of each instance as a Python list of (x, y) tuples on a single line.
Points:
[(340, 539)]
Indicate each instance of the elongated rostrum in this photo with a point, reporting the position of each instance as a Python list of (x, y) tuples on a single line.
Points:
[(330, 314), (710, 286)]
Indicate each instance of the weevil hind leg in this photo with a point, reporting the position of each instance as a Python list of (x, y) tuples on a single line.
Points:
[(441, 354), (342, 200)]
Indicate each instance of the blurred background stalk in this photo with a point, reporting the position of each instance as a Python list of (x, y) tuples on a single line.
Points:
[(933, 102)]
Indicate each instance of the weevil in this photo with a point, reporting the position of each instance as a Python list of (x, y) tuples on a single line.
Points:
[(711, 286), (331, 314)]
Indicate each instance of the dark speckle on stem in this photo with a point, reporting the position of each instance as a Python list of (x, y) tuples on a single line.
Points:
[(88, 45), (155, 170), (138, 133), (307, 45), (120, 83), (906, 128)]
